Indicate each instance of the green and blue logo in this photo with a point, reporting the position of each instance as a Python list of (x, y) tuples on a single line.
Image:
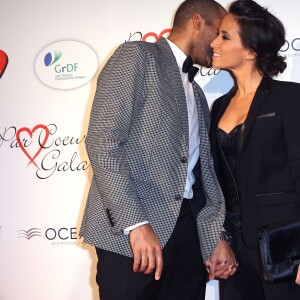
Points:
[(50, 60)]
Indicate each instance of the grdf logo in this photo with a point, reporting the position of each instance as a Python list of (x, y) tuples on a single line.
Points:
[(49, 60), (66, 64)]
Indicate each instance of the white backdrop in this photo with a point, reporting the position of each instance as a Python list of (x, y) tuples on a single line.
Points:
[(44, 181)]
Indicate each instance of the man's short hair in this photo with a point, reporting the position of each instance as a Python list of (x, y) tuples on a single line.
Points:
[(208, 9)]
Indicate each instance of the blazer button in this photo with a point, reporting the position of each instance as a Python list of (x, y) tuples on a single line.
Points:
[(183, 159), (177, 197)]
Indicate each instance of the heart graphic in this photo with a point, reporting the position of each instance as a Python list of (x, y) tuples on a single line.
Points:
[(3, 62), (153, 34), (30, 132)]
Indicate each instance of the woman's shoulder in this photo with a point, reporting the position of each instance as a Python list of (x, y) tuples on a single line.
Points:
[(218, 101), (216, 104), (285, 85), (287, 93)]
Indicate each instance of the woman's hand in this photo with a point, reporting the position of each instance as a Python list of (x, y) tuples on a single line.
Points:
[(222, 263)]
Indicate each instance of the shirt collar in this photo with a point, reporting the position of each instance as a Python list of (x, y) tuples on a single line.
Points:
[(178, 53)]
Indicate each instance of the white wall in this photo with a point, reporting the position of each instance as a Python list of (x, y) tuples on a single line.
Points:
[(51, 262)]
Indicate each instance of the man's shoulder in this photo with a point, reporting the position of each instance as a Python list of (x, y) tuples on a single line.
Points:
[(134, 51), (145, 47)]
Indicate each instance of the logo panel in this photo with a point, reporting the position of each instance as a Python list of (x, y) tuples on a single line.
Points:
[(66, 65)]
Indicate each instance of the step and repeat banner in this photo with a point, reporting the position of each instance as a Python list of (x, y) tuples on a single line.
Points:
[(50, 56)]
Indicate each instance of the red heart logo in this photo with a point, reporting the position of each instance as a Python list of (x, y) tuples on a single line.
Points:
[(3, 62), (30, 132), (153, 34)]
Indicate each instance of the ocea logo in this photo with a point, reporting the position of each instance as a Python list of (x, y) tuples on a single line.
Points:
[(30, 233)]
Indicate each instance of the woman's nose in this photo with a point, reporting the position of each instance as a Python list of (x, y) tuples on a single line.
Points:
[(215, 42)]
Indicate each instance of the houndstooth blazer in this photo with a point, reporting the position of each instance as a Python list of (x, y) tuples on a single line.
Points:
[(137, 137)]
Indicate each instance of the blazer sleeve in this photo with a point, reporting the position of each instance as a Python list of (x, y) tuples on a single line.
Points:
[(119, 85), (291, 123)]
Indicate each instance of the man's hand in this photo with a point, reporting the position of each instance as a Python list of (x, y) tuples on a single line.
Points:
[(147, 253), (297, 281), (222, 263)]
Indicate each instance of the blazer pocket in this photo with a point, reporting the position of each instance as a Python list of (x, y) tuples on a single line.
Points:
[(277, 207), (272, 114), (276, 198)]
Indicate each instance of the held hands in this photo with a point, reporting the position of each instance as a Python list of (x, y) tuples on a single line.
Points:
[(222, 263), (147, 253), (297, 281)]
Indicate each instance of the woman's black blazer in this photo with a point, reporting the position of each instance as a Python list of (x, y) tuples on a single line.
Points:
[(269, 160)]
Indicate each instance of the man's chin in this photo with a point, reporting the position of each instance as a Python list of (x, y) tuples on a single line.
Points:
[(205, 64), (209, 62)]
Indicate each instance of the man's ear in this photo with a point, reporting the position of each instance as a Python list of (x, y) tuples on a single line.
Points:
[(197, 21)]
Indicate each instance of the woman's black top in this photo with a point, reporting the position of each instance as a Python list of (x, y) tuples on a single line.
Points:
[(228, 143)]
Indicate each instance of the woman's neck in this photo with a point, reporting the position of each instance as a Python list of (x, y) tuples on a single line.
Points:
[(247, 84)]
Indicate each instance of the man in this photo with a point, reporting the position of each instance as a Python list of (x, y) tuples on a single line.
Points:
[(154, 189)]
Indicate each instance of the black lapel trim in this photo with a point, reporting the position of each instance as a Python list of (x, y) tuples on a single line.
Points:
[(224, 103), (259, 99)]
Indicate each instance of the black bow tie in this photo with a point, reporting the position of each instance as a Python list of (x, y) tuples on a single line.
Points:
[(188, 67)]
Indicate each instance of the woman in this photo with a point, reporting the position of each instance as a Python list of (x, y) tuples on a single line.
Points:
[(255, 137)]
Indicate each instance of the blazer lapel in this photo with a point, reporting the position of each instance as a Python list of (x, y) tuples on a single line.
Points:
[(224, 104), (201, 103), (176, 81), (259, 99)]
